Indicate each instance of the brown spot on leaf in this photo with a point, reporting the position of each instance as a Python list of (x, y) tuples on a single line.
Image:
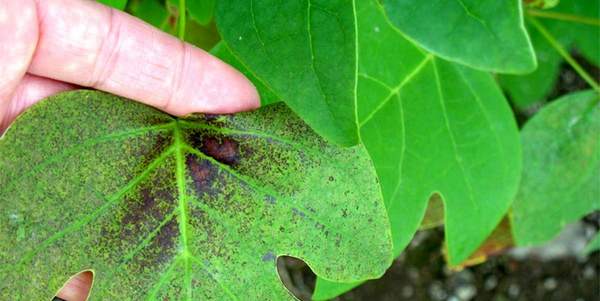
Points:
[(203, 174), (152, 203), (219, 147), (224, 150), (163, 246)]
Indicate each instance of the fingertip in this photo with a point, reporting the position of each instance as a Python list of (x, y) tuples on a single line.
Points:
[(212, 86), (78, 287)]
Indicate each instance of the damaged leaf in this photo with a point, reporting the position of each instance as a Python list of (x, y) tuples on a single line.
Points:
[(499, 241), (168, 209)]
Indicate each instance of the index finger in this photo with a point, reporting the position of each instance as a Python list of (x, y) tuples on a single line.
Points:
[(88, 44)]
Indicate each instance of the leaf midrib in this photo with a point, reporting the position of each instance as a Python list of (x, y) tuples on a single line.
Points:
[(183, 214), (178, 148)]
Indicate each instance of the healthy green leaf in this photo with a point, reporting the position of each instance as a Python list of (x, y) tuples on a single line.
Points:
[(266, 95), (574, 24), (561, 168), (487, 35), (118, 4), (304, 52), (541, 3), (201, 10), (152, 12), (460, 141), (205, 37), (432, 126), (527, 90), (196, 209), (155, 13)]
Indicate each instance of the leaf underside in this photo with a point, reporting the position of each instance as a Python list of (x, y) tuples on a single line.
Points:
[(561, 167), (167, 209)]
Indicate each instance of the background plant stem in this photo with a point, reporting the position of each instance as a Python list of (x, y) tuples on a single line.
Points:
[(564, 53), (181, 23)]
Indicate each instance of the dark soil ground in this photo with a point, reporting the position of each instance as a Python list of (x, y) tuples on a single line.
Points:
[(420, 273)]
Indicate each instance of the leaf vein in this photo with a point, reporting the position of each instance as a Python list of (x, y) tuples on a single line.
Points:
[(457, 157)]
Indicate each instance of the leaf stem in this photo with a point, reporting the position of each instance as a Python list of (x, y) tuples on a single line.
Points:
[(182, 20), (564, 53), (563, 17)]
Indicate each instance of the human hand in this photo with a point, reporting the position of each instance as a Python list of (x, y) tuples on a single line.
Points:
[(48, 46)]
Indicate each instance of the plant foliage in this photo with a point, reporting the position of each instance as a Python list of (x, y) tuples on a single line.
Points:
[(571, 24), (162, 208), (561, 167), (372, 110), (462, 30)]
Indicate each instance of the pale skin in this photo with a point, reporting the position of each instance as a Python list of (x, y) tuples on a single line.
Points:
[(50, 46)]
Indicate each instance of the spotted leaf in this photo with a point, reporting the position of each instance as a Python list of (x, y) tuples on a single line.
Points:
[(167, 209)]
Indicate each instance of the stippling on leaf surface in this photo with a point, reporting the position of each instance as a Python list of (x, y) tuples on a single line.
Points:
[(168, 209)]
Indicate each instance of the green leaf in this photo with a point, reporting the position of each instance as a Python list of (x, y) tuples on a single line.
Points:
[(201, 10), (152, 12), (441, 127), (593, 245), (194, 209), (527, 90), (118, 4), (487, 35), (541, 3), (224, 53), (304, 52), (561, 168), (432, 126), (579, 20), (574, 24), (205, 37)]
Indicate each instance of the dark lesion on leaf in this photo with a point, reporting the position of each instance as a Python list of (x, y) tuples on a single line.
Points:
[(224, 150), (145, 206), (203, 174), (145, 218), (219, 147), (163, 247)]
